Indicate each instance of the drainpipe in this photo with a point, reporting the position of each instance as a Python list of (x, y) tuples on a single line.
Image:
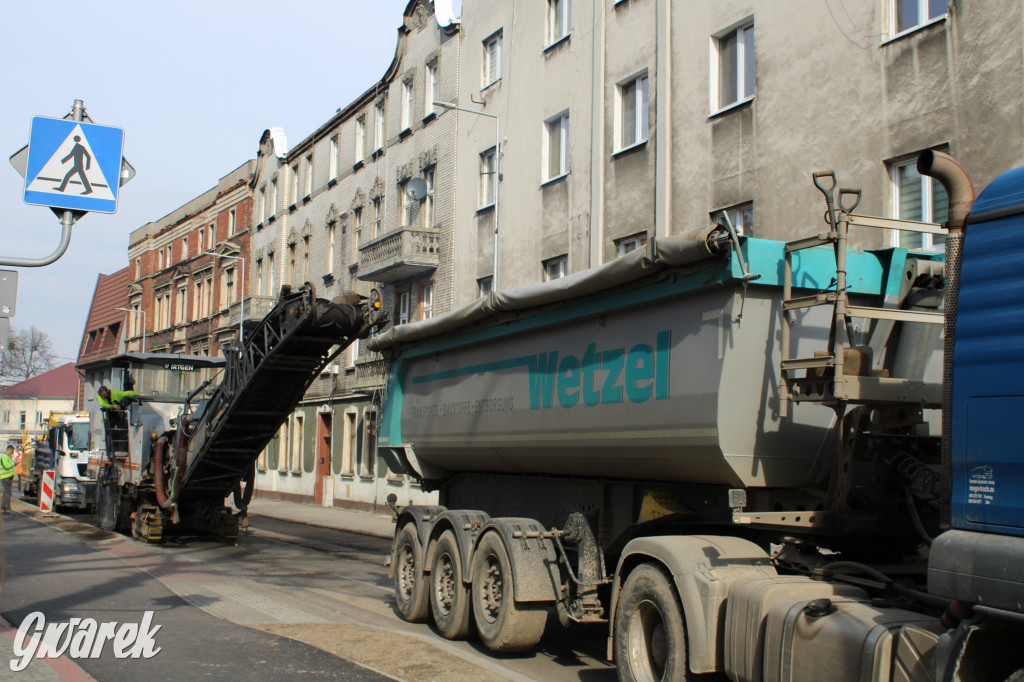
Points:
[(954, 178), (663, 124)]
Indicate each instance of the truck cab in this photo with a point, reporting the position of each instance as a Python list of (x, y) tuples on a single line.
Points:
[(66, 451)]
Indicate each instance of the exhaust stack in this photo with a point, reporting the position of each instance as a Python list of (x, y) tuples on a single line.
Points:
[(960, 191)]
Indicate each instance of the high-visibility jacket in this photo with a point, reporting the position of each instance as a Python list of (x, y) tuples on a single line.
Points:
[(6, 466)]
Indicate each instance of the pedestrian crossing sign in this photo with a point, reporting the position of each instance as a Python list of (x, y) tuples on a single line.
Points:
[(74, 165)]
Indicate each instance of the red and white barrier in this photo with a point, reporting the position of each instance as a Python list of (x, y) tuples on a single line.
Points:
[(46, 492)]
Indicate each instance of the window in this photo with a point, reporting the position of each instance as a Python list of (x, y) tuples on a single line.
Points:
[(138, 268), (360, 139), (309, 175), (184, 248), (431, 84), (378, 216), (305, 260), (295, 183), (631, 112), (485, 285), (408, 102), (270, 273), (378, 132), (330, 248), (369, 458), (558, 20), (229, 286), (200, 240), (741, 217), (427, 205), (427, 302), (631, 243), (273, 198), (262, 204), (556, 149), (160, 259), (405, 202), (735, 61), (291, 265), (403, 306), (231, 222), (351, 442), (909, 14), (492, 59), (488, 173), (181, 309), (259, 276), (357, 224), (170, 251), (920, 198), (297, 437), (555, 268), (332, 170), (210, 236)]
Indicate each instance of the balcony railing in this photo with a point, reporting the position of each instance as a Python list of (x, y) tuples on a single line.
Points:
[(398, 255), (370, 374), (256, 308)]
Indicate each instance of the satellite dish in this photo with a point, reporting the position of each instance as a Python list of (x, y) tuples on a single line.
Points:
[(416, 188)]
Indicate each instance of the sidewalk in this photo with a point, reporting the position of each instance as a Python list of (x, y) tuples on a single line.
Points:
[(366, 523), (61, 669)]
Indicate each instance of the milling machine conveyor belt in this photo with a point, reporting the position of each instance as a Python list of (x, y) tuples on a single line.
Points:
[(262, 384)]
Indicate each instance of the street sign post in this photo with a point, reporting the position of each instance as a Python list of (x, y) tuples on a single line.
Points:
[(73, 165)]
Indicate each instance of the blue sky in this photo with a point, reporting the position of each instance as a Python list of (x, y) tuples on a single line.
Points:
[(193, 85)]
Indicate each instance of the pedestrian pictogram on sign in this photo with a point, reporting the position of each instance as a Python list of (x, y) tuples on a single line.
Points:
[(73, 165)]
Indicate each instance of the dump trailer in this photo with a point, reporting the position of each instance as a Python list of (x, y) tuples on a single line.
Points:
[(730, 450), (191, 434)]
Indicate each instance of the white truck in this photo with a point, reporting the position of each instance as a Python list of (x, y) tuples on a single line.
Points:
[(66, 451)]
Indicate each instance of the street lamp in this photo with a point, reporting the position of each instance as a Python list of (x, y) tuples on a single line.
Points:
[(241, 292), (497, 176), (137, 311)]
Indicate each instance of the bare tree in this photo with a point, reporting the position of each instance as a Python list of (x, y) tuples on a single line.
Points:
[(29, 352)]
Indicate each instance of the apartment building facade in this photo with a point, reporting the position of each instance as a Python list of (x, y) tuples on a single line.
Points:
[(366, 201), (622, 120), (189, 273)]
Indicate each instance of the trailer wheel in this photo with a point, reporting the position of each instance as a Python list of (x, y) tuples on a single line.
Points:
[(449, 596), (503, 624), (650, 643), (410, 583)]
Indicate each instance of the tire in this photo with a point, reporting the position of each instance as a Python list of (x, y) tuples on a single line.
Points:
[(449, 595), (503, 625), (650, 637), (410, 583)]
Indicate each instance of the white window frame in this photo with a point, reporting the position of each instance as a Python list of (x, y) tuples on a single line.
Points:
[(295, 183), (378, 217), (556, 268), (378, 130), (332, 169), (924, 16), (556, 142), (309, 176), (181, 307), (405, 204), (741, 216), (259, 276), (427, 206), (232, 225), (368, 460), (262, 204), (631, 243), (431, 83), (743, 32), (488, 177), (184, 247), (928, 185), (491, 72), (331, 232), (559, 24), (273, 198), (211, 236), (360, 139), (632, 92), (408, 103), (297, 439), (427, 301), (404, 301)]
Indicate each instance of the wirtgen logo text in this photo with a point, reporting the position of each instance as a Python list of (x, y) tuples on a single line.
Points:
[(82, 638)]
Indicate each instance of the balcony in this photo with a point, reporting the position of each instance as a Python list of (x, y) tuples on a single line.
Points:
[(256, 308), (370, 374), (398, 255)]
